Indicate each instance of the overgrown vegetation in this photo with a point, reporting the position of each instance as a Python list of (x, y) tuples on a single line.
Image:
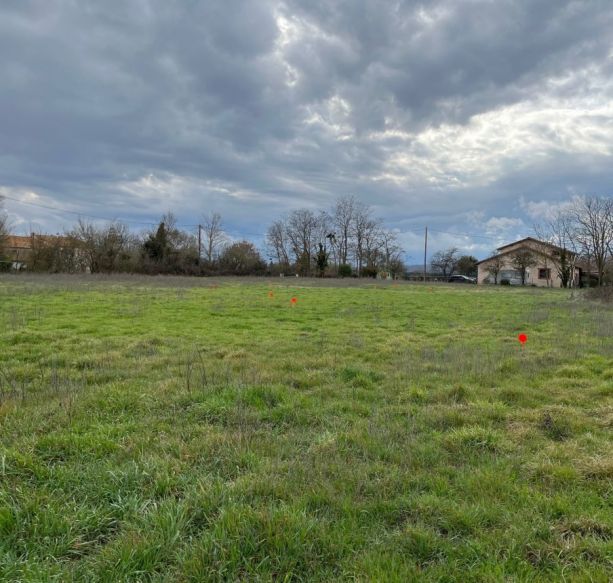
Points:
[(174, 429), (347, 235), (582, 231), (302, 243)]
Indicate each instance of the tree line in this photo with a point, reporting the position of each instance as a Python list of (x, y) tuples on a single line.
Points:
[(346, 240), (114, 248)]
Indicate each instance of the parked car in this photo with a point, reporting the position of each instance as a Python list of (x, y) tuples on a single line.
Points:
[(509, 277), (461, 279)]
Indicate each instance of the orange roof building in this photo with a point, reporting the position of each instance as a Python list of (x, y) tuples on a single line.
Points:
[(17, 248)]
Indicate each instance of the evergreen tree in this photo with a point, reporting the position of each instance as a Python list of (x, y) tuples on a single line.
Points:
[(322, 260)]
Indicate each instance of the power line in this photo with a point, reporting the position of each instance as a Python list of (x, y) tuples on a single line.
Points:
[(195, 226), (80, 214), (61, 210)]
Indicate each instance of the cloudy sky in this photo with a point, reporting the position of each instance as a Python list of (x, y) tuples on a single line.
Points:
[(471, 116)]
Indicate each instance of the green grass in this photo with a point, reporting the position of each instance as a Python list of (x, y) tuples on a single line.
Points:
[(189, 430)]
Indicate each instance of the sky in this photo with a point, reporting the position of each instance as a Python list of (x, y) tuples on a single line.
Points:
[(474, 117)]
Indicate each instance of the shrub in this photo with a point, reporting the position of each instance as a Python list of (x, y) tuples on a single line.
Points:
[(369, 272), (344, 270), (505, 282)]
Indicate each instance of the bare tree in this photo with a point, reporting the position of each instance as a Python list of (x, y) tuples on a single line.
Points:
[(363, 229), (592, 219), (86, 235), (560, 231), (373, 246), (522, 260), (392, 252), (302, 234), (323, 228), (445, 261), (494, 266), (54, 254), (180, 241), (296, 239), (278, 243), (343, 215), (214, 237), (113, 244), (102, 249), (348, 232)]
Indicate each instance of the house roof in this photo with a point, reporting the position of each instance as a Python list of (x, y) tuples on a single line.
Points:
[(494, 256), (550, 246), (25, 242), (536, 251), (526, 239), (18, 242)]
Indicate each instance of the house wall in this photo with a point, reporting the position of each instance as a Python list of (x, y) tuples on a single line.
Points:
[(543, 261), (17, 252), (18, 256), (19, 248), (532, 276)]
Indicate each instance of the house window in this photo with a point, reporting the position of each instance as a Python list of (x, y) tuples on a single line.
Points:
[(544, 273)]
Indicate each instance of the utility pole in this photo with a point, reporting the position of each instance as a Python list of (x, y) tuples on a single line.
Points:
[(425, 254), (199, 243)]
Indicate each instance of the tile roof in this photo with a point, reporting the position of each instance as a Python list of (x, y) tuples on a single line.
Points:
[(18, 242), (25, 242)]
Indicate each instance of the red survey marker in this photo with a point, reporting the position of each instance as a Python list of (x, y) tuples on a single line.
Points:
[(522, 338), (294, 301)]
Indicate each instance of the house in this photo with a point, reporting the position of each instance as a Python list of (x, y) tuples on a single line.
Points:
[(542, 264), (18, 249)]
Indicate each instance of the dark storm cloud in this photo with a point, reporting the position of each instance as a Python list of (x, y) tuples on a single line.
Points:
[(429, 111), (472, 54)]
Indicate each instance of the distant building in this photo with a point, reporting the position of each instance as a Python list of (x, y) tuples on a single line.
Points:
[(544, 271), (18, 248)]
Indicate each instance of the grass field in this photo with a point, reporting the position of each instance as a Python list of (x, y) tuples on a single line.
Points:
[(190, 430)]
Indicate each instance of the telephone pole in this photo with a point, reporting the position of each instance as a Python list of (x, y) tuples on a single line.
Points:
[(425, 254)]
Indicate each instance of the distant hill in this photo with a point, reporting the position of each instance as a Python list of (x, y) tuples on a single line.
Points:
[(420, 268)]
